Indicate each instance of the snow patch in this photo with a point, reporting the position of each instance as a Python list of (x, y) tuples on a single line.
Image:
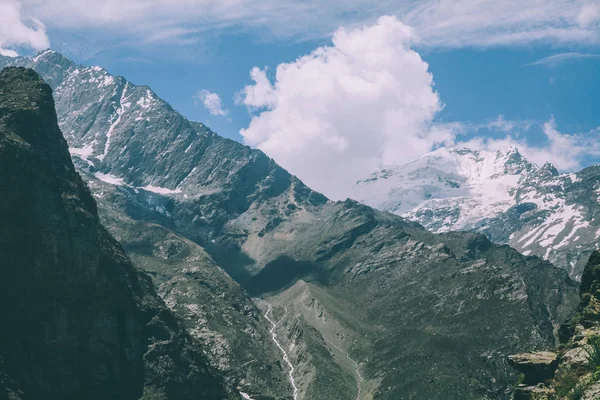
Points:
[(160, 190), (146, 101), (120, 111), (108, 178), (83, 152), (41, 55)]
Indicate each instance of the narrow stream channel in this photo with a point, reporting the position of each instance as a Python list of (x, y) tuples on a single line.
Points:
[(285, 356)]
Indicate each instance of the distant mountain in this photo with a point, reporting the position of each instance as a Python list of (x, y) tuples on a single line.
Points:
[(363, 303), (534, 209), (78, 320)]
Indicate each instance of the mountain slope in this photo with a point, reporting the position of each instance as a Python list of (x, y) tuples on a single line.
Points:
[(534, 209), (78, 320), (89, 110), (574, 372), (363, 303)]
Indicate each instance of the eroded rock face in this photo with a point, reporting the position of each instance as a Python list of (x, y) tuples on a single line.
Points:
[(578, 358), (537, 367), (78, 321)]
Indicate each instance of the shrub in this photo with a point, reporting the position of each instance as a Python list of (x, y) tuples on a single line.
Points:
[(565, 385), (593, 355)]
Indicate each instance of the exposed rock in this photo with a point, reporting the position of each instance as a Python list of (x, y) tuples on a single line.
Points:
[(501, 194), (592, 392), (577, 374), (532, 392), (78, 320), (406, 305), (537, 367)]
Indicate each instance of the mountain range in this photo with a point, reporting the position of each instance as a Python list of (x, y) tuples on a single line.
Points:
[(534, 209), (289, 294)]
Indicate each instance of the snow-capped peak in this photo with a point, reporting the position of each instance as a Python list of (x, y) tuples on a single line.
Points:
[(535, 209), (444, 173)]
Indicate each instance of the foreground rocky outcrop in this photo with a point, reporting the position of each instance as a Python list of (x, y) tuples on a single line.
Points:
[(573, 372), (78, 321)]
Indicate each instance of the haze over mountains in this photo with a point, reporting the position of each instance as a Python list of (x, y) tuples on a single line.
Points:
[(365, 304)]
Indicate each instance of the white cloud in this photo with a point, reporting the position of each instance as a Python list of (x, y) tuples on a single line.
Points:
[(561, 58), (331, 117), (438, 23), (212, 102), (8, 53), (565, 151), (19, 30), (451, 23), (504, 125), (589, 14)]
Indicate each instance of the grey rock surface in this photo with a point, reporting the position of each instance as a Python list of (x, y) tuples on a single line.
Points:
[(78, 320)]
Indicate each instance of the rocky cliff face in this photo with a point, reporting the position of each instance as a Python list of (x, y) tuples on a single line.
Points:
[(534, 209), (78, 320), (575, 372), (364, 304)]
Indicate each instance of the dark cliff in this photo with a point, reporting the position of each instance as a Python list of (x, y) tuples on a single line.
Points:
[(77, 319)]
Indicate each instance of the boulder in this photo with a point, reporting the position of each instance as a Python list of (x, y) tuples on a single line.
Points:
[(527, 392), (537, 367)]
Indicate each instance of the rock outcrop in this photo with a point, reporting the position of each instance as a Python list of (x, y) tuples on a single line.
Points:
[(577, 370), (536, 367), (78, 321)]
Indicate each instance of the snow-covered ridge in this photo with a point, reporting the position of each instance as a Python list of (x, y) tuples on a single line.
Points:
[(130, 104), (442, 174), (501, 194)]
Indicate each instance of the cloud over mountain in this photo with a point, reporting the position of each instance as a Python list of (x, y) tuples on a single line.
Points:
[(339, 111)]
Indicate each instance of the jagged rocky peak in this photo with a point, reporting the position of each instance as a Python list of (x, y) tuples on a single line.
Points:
[(514, 163), (441, 174), (126, 135), (78, 320), (388, 286), (536, 210), (549, 169)]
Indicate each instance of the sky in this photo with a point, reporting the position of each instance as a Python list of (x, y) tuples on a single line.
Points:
[(334, 90)]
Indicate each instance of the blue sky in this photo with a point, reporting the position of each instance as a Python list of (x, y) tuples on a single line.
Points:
[(475, 84), (379, 91)]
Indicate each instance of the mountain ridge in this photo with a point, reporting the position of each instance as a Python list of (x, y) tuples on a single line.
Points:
[(403, 303), (78, 319), (535, 209)]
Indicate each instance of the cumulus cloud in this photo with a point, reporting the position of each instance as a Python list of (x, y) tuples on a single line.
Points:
[(212, 102), (333, 116), (19, 30), (589, 14)]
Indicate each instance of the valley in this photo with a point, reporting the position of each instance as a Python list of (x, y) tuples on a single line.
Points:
[(290, 295)]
